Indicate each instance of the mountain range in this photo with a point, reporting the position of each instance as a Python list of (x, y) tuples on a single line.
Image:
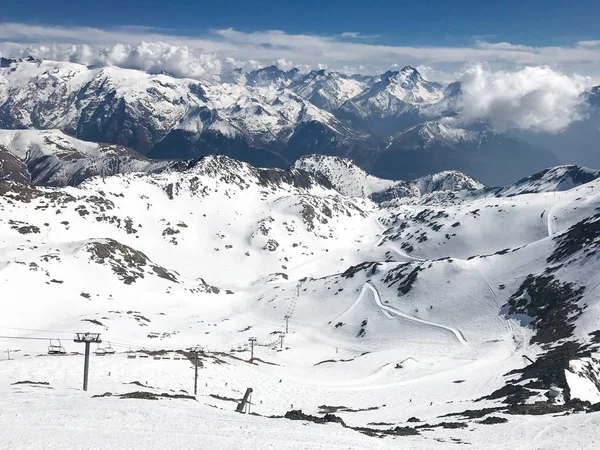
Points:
[(267, 117)]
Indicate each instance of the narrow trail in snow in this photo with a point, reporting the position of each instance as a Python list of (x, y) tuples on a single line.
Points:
[(459, 336), (392, 247), (415, 258)]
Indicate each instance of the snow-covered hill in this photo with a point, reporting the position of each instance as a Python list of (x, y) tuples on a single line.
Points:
[(420, 306), (560, 178), (351, 180), (52, 158)]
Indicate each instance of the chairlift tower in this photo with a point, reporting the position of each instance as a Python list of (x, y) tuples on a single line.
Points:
[(87, 339), (196, 351), (252, 340)]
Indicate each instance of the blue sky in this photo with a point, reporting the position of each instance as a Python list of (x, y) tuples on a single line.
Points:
[(437, 22), (203, 39)]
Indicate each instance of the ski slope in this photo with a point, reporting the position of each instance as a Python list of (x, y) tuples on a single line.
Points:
[(384, 325)]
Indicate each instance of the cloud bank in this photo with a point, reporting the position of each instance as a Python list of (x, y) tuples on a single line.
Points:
[(512, 86), (345, 51), (534, 98)]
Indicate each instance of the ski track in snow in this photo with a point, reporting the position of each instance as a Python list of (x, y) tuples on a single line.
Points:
[(457, 333), (386, 310), (392, 247)]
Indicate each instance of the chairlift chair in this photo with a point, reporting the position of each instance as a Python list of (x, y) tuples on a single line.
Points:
[(56, 348), (100, 351), (109, 350), (131, 355), (157, 357)]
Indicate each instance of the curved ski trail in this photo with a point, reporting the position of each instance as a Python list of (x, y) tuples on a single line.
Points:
[(392, 247), (388, 309)]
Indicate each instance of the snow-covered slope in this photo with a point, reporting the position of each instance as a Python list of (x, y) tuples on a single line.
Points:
[(52, 158), (344, 175), (419, 307), (561, 178), (391, 101), (327, 90), (431, 133), (350, 180)]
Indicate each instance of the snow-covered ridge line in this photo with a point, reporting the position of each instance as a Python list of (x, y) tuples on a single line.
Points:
[(269, 118), (353, 181)]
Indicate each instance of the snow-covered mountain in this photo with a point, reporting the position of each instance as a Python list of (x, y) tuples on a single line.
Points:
[(560, 178), (392, 101), (328, 90), (350, 180), (435, 146), (268, 117), (442, 307), (51, 158)]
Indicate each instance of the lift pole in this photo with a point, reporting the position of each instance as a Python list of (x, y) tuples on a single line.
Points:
[(87, 339), (252, 340), (196, 351), (287, 318), (281, 341)]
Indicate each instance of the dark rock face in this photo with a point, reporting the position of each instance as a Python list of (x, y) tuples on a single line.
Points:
[(552, 306), (127, 263)]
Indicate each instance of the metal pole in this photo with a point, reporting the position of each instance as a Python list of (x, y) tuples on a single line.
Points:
[(287, 318), (86, 366), (8, 351), (252, 340), (281, 343), (196, 375)]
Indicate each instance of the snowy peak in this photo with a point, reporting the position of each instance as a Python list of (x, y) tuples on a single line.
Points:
[(231, 172), (407, 85), (438, 131), (327, 90), (433, 132), (50, 157), (25, 144), (449, 180), (343, 174), (270, 75), (559, 178), (350, 180)]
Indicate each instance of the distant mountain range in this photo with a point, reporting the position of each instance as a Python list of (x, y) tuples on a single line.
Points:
[(267, 117)]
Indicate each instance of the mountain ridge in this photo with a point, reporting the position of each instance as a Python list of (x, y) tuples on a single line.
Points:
[(267, 117)]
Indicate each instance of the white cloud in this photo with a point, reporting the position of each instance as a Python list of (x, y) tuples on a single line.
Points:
[(518, 86), (267, 47), (536, 98), (356, 35)]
